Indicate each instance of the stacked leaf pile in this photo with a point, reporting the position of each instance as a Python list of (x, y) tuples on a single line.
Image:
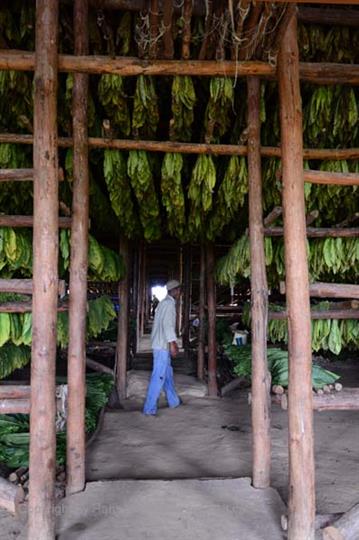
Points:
[(14, 429), (277, 359)]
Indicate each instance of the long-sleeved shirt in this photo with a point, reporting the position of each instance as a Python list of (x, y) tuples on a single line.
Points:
[(164, 325)]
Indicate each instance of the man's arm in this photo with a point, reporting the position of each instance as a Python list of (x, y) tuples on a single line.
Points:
[(173, 349)]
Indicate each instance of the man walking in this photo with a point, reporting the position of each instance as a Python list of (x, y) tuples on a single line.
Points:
[(164, 345)]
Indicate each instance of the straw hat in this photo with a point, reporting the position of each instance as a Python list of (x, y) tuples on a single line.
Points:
[(172, 284)]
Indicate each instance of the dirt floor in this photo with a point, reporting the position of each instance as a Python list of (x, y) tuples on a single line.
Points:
[(211, 438)]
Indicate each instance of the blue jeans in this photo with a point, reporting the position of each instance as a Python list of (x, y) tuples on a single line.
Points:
[(161, 378)]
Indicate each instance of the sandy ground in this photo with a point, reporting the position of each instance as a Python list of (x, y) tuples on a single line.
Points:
[(211, 438), (207, 438), (172, 510)]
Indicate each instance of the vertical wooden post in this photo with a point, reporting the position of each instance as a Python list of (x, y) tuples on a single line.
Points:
[(261, 444), (143, 291), (201, 314), (179, 305), (122, 329), (300, 407), (211, 303), (45, 276), (186, 298), (139, 295), (76, 372)]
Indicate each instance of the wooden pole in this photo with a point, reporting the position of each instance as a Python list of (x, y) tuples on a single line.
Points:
[(331, 17), (167, 32), (14, 406), (154, 18), (140, 260), (343, 313), (189, 148), (24, 286), (211, 303), (18, 175), (344, 400), (199, 8), (76, 357), (331, 178), (28, 221), (186, 32), (15, 391), (123, 326), (41, 524), (272, 216), (201, 314), (96, 366), (300, 417), (329, 290), (313, 232), (261, 442), (314, 72), (22, 175), (24, 307), (143, 290), (186, 298)]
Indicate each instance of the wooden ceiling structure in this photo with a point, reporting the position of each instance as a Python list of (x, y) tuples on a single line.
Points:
[(281, 61)]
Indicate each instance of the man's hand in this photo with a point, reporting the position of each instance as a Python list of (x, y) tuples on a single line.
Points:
[(173, 349)]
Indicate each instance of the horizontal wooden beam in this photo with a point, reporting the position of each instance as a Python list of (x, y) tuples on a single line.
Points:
[(24, 286), (22, 175), (324, 2), (331, 178), (188, 148), (199, 8), (24, 307), (312, 232), (15, 406), (345, 400), (15, 391), (317, 73), (16, 175), (320, 314), (329, 17), (329, 290), (27, 221)]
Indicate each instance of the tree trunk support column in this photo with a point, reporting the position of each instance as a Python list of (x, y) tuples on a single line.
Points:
[(211, 303), (78, 267), (261, 446), (187, 264), (122, 329), (300, 410), (41, 525), (201, 314)]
